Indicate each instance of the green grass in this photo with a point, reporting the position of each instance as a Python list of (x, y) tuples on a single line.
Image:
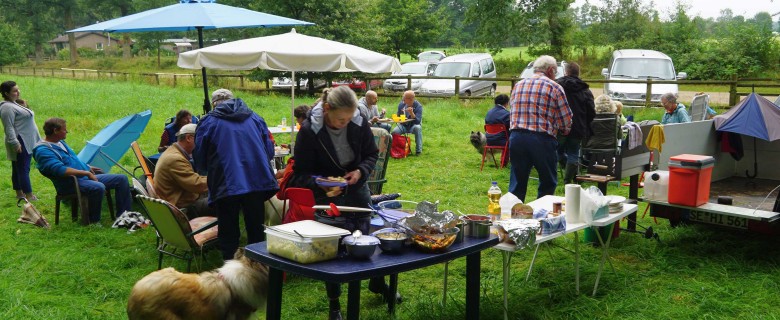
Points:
[(76, 272)]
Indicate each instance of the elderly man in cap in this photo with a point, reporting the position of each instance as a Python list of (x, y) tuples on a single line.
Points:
[(175, 179), (235, 148)]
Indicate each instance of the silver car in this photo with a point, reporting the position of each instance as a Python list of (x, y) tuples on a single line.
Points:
[(413, 69), (286, 83), (529, 70), (469, 65)]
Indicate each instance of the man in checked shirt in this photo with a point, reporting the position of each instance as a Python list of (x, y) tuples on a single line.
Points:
[(538, 112)]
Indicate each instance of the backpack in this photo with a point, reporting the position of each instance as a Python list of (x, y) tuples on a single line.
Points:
[(400, 147)]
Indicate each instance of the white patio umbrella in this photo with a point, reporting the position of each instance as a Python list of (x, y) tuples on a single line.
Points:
[(289, 52)]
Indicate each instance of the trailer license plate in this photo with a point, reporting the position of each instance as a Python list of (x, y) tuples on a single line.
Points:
[(719, 219)]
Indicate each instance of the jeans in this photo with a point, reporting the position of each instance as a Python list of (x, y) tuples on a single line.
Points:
[(570, 148), (382, 125), (252, 204), (533, 150), (416, 130), (95, 190), (20, 170)]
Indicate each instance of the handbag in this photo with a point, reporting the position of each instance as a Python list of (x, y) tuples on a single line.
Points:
[(400, 147), (31, 215)]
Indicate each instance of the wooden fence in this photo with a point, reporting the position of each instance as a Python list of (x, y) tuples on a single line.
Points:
[(737, 87)]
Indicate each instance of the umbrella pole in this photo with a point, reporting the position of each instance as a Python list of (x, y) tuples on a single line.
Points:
[(292, 111), (206, 102), (755, 162)]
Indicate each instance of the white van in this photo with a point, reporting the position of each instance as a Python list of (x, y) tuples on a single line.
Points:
[(638, 64), (469, 65)]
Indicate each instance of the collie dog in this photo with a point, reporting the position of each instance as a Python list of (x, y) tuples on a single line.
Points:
[(234, 291)]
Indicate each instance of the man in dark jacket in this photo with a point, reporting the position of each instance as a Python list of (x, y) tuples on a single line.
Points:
[(583, 111), (234, 148)]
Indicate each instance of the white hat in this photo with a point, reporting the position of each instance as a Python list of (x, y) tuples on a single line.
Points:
[(187, 129)]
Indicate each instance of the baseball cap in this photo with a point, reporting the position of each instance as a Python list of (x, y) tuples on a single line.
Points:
[(220, 95), (187, 129)]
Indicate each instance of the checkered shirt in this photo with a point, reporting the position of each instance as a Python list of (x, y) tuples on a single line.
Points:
[(539, 104)]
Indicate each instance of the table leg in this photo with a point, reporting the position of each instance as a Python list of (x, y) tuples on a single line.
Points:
[(604, 257), (577, 261), (472, 286), (444, 286), (531, 267), (507, 257), (273, 308), (353, 300), (393, 289), (633, 193)]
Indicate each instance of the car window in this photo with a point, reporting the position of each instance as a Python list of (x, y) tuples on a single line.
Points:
[(431, 68), (452, 69), (413, 68), (475, 71), (644, 68), (487, 65)]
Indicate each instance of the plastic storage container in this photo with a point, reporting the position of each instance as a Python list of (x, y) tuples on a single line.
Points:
[(689, 179), (304, 241), (656, 185)]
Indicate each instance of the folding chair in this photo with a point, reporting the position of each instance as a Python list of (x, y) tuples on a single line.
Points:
[(301, 201), (377, 178), (77, 202), (699, 107), (496, 129), (180, 238), (143, 163)]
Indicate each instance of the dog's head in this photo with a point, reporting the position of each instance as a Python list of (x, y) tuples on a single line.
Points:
[(477, 138)]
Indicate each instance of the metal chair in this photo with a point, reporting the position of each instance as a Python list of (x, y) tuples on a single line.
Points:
[(180, 238), (496, 129), (301, 201), (78, 203), (377, 178)]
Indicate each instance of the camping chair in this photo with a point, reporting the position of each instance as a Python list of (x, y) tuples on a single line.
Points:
[(143, 163), (77, 202), (181, 238), (602, 147), (699, 107), (377, 178), (496, 129), (301, 201)]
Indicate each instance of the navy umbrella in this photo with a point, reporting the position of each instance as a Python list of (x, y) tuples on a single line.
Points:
[(754, 116), (192, 15)]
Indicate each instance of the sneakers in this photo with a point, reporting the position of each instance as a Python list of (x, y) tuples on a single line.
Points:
[(334, 315)]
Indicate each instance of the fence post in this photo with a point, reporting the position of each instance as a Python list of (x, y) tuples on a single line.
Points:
[(409, 82), (33, 71), (733, 91), (241, 79), (457, 86), (52, 72), (648, 92)]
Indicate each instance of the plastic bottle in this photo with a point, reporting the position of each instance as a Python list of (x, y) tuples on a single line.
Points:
[(284, 121), (494, 195)]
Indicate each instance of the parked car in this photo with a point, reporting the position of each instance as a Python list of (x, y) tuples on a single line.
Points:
[(639, 64), (529, 70), (286, 83), (470, 65), (431, 56), (356, 84), (413, 69)]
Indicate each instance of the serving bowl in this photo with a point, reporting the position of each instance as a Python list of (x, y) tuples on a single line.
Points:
[(391, 240), (435, 241), (360, 247)]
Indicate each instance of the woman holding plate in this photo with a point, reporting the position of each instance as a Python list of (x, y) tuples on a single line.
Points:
[(334, 154)]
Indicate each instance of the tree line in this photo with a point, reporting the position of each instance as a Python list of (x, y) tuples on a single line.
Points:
[(706, 48)]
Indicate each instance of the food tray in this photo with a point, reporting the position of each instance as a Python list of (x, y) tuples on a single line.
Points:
[(304, 241), (329, 183)]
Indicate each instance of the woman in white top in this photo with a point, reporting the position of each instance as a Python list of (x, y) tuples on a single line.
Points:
[(21, 135)]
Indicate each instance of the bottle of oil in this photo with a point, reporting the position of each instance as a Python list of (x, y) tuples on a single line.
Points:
[(494, 209)]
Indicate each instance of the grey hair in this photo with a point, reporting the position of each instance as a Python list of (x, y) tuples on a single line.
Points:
[(670, 96), (341, 97), (543, 63)]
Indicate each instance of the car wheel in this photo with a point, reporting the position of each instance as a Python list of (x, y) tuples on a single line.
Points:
[(492, 90), (468, 93)]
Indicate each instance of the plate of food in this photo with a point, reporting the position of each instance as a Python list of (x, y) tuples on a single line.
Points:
[(331, 181), (385, 120)]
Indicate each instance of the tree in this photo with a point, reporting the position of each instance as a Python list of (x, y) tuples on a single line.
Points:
[(103, 10), (35, 18), (409, 25), (11, 50)]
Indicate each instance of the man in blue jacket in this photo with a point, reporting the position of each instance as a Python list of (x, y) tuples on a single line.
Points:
[(413, 110), (58, 162), (235, 150)]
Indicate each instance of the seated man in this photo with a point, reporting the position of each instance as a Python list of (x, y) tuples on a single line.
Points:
[(413, 111), (675, 112), (57, 161), (369, 110), (498, 115), (176, 181)]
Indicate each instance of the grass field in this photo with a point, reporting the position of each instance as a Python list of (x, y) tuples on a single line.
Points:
[(76, 272)]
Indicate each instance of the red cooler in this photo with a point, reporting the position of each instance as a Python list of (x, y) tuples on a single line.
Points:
[(689, 179)]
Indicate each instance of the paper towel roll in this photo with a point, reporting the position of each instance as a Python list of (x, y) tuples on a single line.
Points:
[(573, 203)]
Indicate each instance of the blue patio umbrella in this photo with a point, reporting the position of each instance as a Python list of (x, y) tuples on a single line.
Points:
[(192, 15), (755, 116), (111, 143)]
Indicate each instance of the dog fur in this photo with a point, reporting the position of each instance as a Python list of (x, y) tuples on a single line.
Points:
[(478, 140), (234, 291)]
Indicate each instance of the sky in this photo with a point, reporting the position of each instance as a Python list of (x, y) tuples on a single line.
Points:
[(711, 8)]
